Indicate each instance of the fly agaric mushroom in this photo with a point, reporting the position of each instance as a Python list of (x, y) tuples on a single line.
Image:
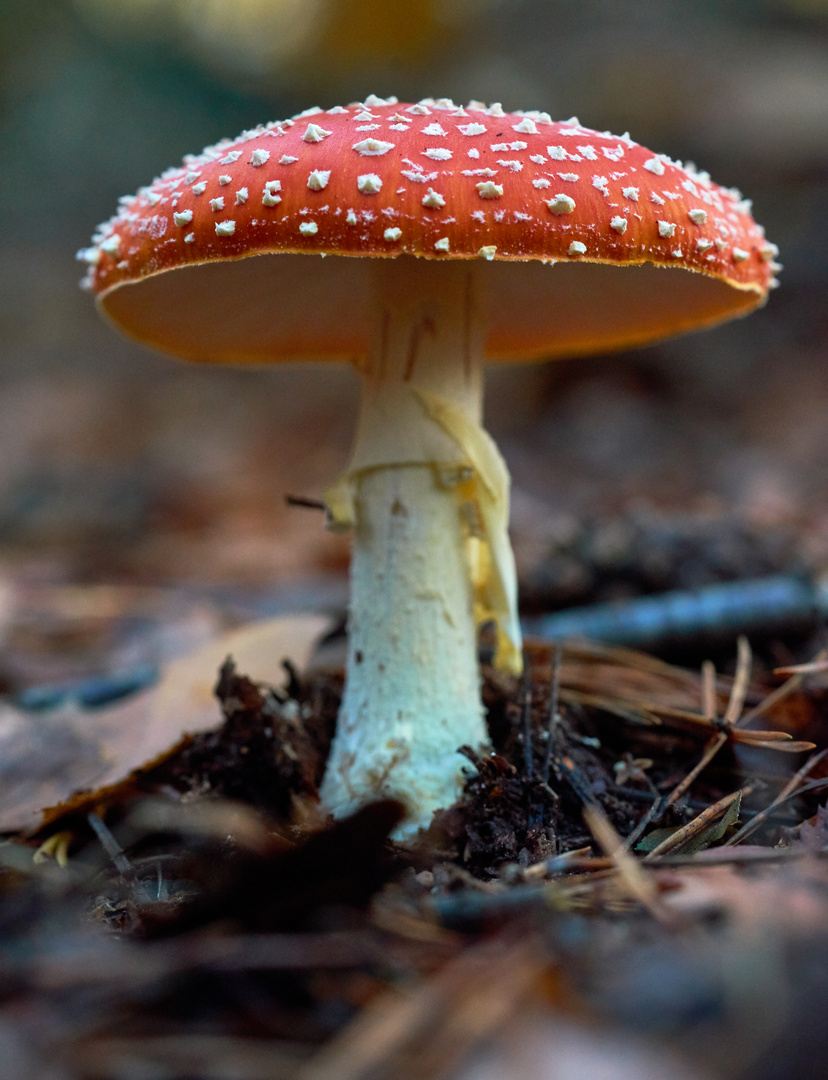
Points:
[(453, 217)]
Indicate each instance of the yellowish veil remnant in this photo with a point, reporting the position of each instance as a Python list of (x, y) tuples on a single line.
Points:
[(482, 493)]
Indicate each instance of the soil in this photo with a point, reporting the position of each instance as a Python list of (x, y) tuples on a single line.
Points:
[(211, 924)]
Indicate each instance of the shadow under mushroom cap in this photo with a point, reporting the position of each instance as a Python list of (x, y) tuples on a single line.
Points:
[(284, 306)]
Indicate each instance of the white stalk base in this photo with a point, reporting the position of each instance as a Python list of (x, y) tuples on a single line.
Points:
[(413, 690)]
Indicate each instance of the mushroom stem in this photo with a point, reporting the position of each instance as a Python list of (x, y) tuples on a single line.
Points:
[(412, 694)]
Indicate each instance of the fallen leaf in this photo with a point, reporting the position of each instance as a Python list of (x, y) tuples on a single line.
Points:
[(700, 841), (45, 757), (813, 835)]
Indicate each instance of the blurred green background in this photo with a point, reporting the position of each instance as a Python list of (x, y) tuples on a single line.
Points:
[(117, 465)]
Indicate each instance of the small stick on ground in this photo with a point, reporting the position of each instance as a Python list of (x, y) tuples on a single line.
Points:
[(686, 833), (653, 813), (558, 864), (787, 791), (797, 675), (305, 502), (741, 682), (639, 884), (813, 667), (714, 745), (712, 748), (708, 689), (119, 859), (577, 780)]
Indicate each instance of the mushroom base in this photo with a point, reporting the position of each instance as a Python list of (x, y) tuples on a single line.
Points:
[(413, 689)]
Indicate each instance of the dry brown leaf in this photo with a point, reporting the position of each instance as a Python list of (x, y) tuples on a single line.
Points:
[(186, 688), (46, 757), (790, 897)]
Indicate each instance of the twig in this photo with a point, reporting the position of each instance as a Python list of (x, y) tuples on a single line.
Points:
[(780, 602), (741, 682), (652, 813), (557, 864), (465, 909), (714, 745), (639, 884), (304, 501), (577, 779), (119, 859), (797, 676), (712, 748), (737, 857), (698, 824), (787, 792), (811, 787), (813, 667), (708, 690)]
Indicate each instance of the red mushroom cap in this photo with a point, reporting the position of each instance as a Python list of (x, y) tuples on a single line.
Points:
[(436, 181)]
